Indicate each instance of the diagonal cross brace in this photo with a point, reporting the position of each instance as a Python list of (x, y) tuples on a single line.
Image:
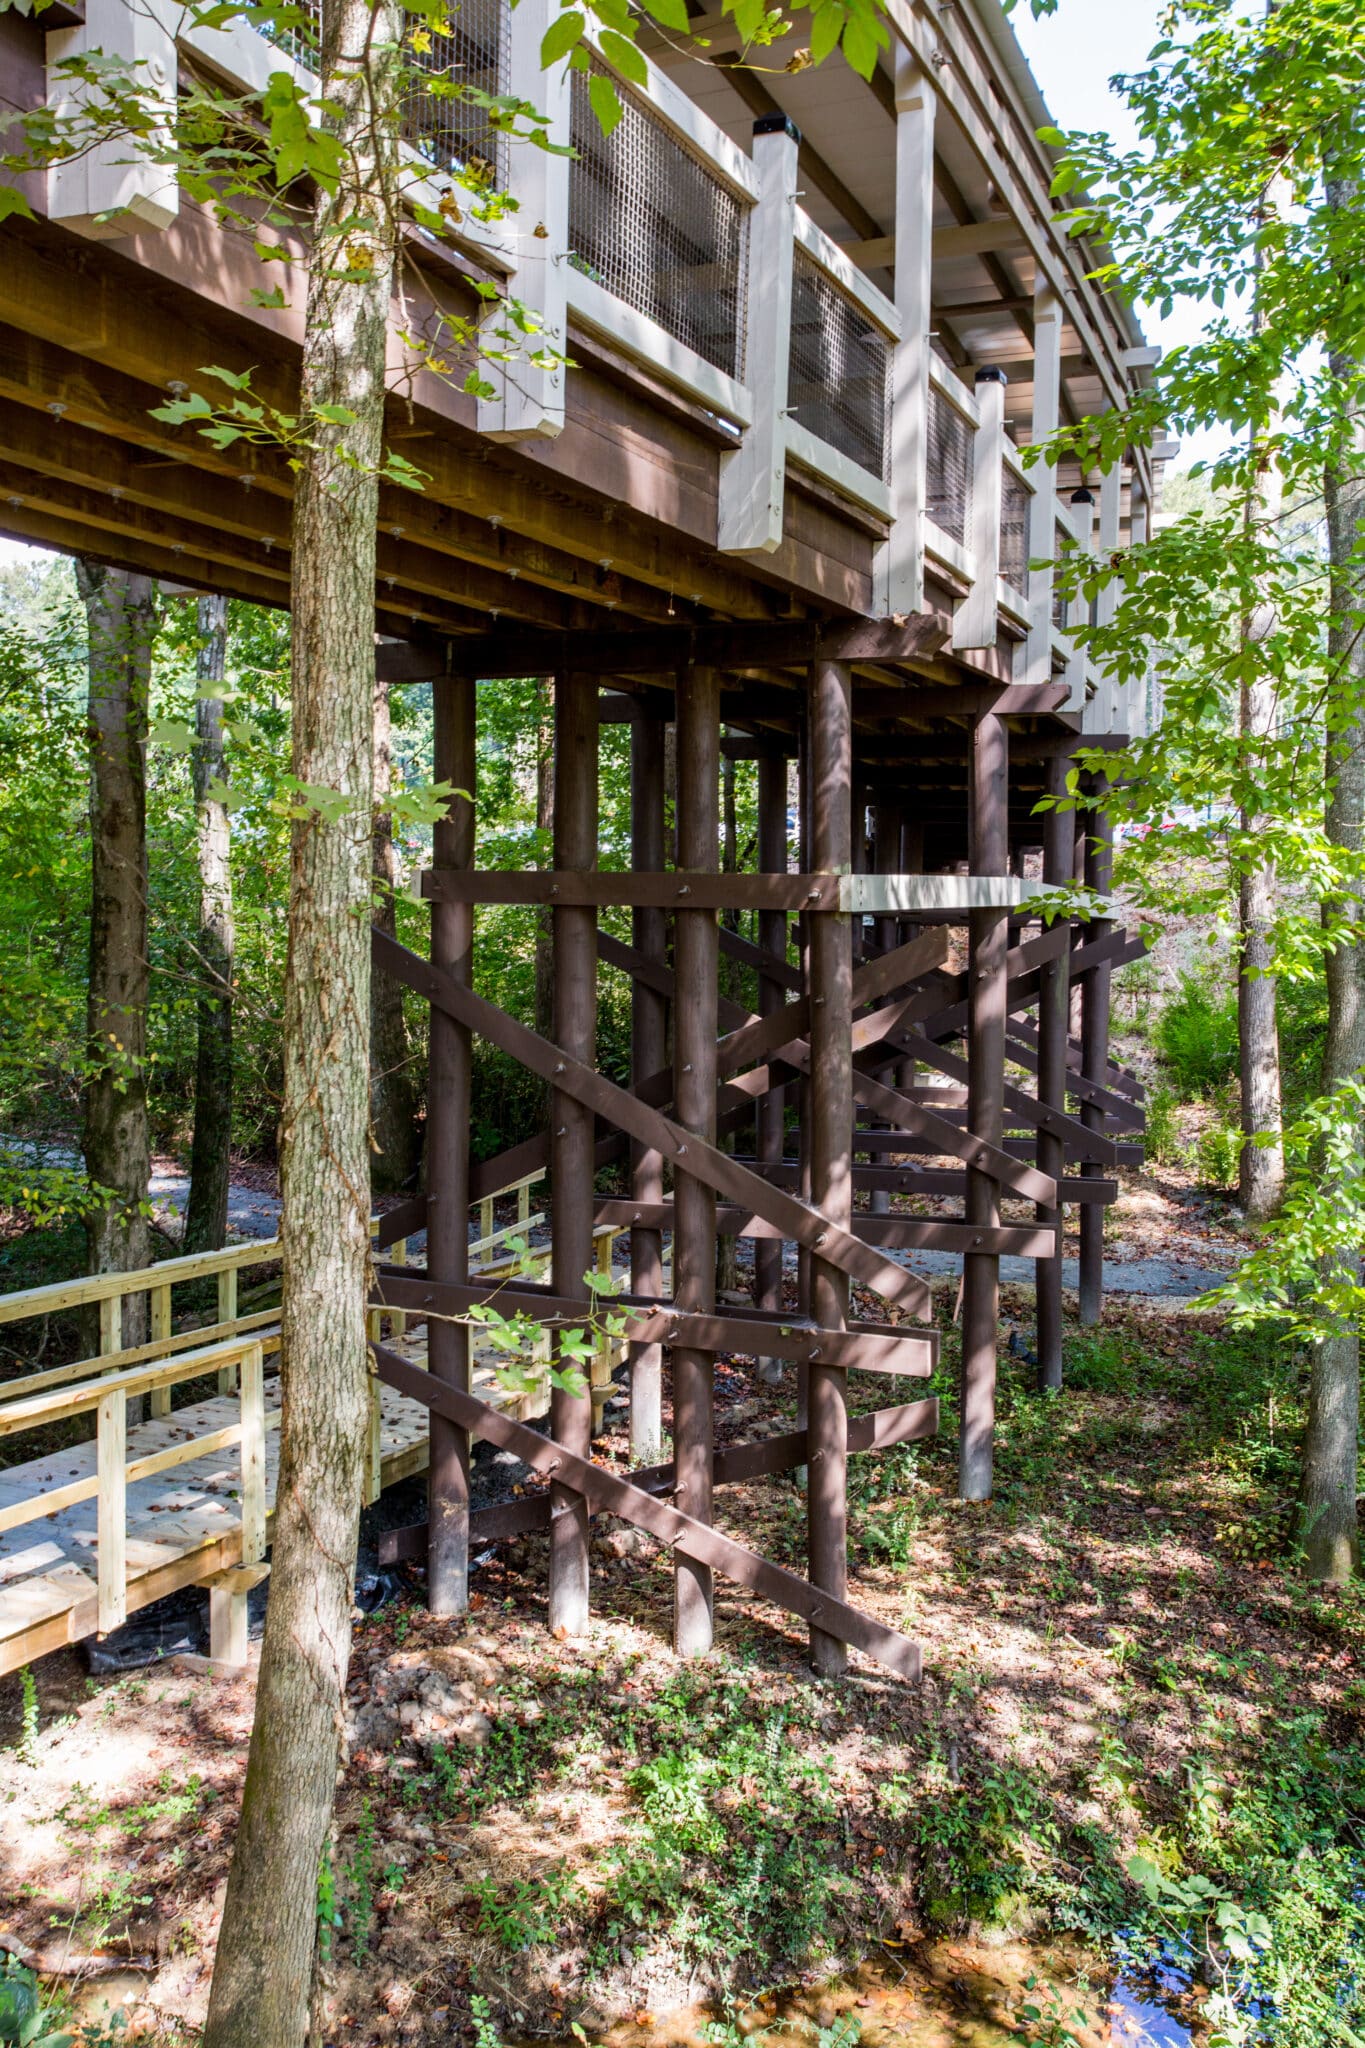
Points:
[(715, 1169), (659, 1518)]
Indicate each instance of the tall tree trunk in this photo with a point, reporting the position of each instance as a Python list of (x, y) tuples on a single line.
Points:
[(266, 1951), (394, 1083), (1329, 1532), (206, 1217), (1261, 1168), (120, 614)]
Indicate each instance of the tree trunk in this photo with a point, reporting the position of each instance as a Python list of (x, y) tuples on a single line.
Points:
[(394, 1083), (1260, 1171), (121, 619), (211, 1151), (1329, 1531), (266, 1951)]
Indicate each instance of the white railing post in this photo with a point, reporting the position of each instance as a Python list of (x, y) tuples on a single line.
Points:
[(1140, 693), (753, 477), (111, 1524), (976, 619), (529, 402), (116, 175), (1105, 705), (916, 105), (1042, 524), (1083, 526)]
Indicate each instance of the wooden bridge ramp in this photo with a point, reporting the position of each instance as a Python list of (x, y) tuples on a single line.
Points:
[(145, 1507), (183, 1526)]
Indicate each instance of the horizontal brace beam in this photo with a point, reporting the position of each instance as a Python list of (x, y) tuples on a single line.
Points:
[(898, 1233), (913, 1422), (675, 889), (863, 1347), (917, 1180), (668, 1524), (666, 649)]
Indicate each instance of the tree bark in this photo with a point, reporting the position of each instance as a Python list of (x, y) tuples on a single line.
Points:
[(1260, 1170), (266, 1953), (120, 613), (1329, 1531), (394, 1083), (206, 1216)]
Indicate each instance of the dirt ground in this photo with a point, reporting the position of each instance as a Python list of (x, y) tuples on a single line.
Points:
[(532, 1834)]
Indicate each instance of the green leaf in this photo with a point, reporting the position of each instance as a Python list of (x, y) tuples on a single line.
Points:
[(13, 201), (671, 13), (605, 103), (621, 52), (269, 301), (826, 23), (861, 43), (560, 37), (336, 415)]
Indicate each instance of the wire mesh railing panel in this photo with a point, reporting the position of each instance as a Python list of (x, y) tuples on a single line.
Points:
[(1015, 499), (948, 492), (448, 129), (839, 380), (653, 225), (445, 127)]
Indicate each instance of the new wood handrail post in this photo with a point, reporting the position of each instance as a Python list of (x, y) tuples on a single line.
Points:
[(976, 621), (160, 1331), (916, 109), (753, 477), (450, 1055), (571, 1122), (227, 1313), (830, 1095), (111, 1463), (252, 1401), (648, 1056), (988, 838), (111, 1324), (696, 954)]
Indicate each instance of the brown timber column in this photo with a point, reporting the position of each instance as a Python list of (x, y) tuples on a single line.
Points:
[(772, 937), (452, 950), (648, 1055), (1099, 862), (886, 855), (696, 954), (1054, 1026), (574, 932), (988, 837), (831, 1134)]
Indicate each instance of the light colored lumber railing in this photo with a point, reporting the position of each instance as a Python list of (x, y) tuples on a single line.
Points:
[(113, 1474)]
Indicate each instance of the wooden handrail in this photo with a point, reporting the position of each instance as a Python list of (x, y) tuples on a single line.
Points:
[(38, 1409)]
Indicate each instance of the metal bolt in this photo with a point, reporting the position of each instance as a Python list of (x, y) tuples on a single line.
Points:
[(821, 1238), (681, 1150), (561, 1131), (686, 889), (559, 1066)]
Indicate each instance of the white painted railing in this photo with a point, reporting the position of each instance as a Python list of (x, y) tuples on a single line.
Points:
[(681, 252)]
